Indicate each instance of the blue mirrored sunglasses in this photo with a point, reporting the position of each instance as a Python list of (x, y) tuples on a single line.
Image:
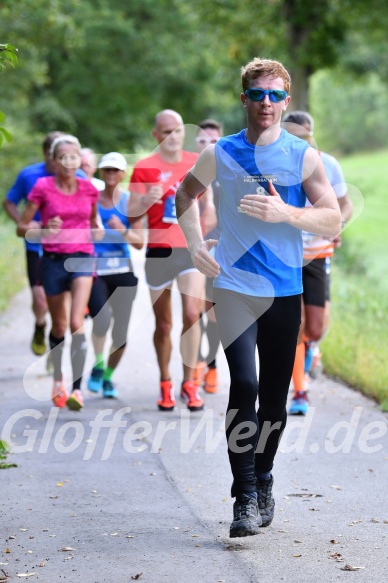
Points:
[(275, 95)]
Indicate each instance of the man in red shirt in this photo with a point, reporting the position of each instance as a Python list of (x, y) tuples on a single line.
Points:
[(153, 186)]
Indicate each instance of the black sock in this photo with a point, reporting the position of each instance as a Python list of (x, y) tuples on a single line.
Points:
[(56, 345), (214, 342), (78, 357)]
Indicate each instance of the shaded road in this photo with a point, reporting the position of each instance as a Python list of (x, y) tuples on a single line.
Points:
[(149, 492)]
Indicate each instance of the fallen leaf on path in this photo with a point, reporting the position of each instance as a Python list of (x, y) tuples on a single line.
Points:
[(351, 568), (59, 484), (233, 547), (337, 556), (296, 556), (66, 549), (297, 541), (334, 542), (43, 564), (7, 550)]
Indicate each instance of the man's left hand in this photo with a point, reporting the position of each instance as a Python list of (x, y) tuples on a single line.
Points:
[(270, 209)]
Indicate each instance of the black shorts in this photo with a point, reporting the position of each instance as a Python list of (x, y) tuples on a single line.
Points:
[(57, 272), (316, 283), (164, 264), (32, 260), (328, 276)]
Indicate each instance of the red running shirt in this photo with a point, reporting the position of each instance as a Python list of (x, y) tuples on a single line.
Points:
[(151, 171)]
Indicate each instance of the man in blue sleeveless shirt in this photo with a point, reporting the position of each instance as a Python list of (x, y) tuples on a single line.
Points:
[(265, 175)]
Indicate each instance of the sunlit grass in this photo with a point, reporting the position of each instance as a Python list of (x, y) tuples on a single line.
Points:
[(356, 348)]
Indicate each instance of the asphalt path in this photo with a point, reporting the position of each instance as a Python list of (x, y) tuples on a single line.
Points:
[(121, 491)]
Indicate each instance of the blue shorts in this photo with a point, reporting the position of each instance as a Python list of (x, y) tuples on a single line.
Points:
[(57, 271)]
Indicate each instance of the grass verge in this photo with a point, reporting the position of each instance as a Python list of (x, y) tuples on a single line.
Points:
[(12, 263)]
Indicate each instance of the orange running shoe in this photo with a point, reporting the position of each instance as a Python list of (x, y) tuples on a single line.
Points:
[(189, 394), (76, 401), (59, 395), (199, 373), (211, 381), (167, 401)]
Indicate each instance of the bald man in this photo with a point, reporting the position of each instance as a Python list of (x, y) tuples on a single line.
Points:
[(153, 186)]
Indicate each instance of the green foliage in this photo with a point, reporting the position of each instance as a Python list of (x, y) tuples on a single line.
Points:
[(8, 56), (4, 452), (4, 134), (345, 121)]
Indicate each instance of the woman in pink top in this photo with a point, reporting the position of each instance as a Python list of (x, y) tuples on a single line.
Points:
[(69, 211)]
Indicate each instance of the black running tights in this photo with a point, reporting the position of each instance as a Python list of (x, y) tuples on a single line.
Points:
[(271, 325)]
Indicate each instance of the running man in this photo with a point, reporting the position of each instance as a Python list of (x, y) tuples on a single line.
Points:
[(265, 175), (317, 254), (115, 287), (206, 373), (89, 166), (153, 186), (17, 195)]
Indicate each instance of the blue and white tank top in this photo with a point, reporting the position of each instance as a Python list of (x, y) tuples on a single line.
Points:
[(259, 258)]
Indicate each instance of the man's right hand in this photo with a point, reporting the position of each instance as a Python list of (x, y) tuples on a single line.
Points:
[(203, 259)]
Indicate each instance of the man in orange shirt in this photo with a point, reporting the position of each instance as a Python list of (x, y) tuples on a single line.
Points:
[(153, 186)]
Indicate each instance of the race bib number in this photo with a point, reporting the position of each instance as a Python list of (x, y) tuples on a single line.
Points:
[(169, 215), (107, 265)]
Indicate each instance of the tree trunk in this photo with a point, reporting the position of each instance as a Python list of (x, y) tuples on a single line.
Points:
[(299, 89)]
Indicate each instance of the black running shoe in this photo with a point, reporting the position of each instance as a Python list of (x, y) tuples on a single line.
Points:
[(265, 500), (246, 517)]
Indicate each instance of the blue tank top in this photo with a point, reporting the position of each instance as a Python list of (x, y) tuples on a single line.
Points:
[(113, 251), (259, 258)]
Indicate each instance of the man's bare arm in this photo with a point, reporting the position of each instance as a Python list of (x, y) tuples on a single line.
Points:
[(188, 213)]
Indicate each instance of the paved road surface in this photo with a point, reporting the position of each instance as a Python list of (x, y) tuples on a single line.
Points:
[(137, 494)]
